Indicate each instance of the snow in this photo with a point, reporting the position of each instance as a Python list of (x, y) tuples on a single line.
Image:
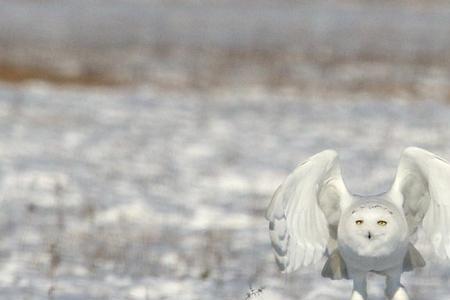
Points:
[(144, 192), (130, 193)]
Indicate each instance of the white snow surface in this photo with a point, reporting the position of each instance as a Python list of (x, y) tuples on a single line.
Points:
[(130, 193)]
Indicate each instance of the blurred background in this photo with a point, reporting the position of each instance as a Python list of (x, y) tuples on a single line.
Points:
[(141, 140)]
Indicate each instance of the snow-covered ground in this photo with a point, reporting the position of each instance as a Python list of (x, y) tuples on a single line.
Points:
[(131, 193), (158, 190)]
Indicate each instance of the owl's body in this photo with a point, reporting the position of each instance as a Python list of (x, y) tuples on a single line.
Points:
[(370, 246), (312, 214)]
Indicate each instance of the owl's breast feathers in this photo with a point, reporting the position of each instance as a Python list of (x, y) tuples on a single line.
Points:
[(335, 267)]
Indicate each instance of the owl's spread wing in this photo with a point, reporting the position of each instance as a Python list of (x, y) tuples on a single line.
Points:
[(305, 210), (422, 188)]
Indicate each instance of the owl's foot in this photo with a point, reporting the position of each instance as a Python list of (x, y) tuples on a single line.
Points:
[(397, 294), (358, 296), (394, 289), (359, 287)]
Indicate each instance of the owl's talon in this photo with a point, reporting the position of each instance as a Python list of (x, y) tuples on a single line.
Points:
[(359, 286), (357, 296), (399, 294)]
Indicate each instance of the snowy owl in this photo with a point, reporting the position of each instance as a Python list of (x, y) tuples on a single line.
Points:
[(312, 214)]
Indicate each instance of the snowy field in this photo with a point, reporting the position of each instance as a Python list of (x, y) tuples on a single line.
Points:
[(154, 186), (135, 194)]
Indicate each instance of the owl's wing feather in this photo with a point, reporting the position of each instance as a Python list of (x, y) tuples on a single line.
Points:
[(304, 209), (422, 189)]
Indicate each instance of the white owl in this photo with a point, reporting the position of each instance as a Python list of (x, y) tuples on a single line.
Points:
[(312, 214)]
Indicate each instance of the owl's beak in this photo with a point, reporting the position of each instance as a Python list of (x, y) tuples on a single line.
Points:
[(369, 235)]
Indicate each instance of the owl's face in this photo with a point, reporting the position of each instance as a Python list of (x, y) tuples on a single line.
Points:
[(372, 229)]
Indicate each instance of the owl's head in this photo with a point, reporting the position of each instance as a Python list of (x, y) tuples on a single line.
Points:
[(373, 228)]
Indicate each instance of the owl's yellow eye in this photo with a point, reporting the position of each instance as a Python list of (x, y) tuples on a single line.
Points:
[(382, 223), (359, 222)]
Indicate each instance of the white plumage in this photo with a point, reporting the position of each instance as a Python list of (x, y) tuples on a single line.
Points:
[(312, 214)]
